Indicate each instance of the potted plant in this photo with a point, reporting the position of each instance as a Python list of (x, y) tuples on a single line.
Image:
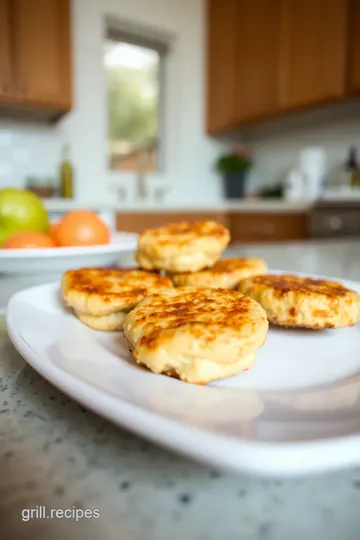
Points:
[(234, 166)]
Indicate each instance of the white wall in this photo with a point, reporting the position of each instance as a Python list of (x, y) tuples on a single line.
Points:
[(189, 153)]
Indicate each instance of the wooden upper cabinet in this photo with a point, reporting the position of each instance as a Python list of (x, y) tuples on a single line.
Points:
[(314, 51), (221, 72), (258, 24), (353, 80), (270, 57), (6, 87), (42, 53)]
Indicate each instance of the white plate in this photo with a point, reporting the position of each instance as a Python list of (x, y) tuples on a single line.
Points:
[(20, 261), (297, 411)]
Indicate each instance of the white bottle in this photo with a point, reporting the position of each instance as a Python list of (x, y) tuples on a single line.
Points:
[(294, 185)]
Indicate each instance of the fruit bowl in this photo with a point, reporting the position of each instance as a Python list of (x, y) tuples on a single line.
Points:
[(59, 259)]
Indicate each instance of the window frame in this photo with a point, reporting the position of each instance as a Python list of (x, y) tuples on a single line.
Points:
[(141, 36)]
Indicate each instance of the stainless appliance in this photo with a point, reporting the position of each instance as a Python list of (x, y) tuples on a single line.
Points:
[(334, 219)]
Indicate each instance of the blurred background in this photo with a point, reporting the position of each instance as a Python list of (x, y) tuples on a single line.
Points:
[(154, 110)]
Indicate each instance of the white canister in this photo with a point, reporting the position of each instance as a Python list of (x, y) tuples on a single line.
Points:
[(312, 165)]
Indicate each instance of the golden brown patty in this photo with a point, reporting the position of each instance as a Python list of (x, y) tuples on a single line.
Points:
[(197, 334), (105, 323), (303, 302), (102, 291), (225, 274), (182, 247)]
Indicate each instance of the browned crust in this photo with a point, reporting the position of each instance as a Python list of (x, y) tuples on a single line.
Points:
[(283, 284), (100, 282), (222, 309), (184, 231), (227, 266)]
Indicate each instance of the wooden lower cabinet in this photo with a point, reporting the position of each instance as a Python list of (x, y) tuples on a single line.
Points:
[(245, 227), (138, 221), (262, 227)]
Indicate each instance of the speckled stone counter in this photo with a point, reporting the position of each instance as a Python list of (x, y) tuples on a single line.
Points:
[(55, 453)]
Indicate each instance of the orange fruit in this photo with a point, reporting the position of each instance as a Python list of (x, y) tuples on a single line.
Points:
[(53, 232), (82, 228), (28, 240)]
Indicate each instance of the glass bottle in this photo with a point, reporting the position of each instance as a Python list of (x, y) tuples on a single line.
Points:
[(352, 169), (66, 174)]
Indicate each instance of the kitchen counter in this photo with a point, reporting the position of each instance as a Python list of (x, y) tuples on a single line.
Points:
[(57, 204), (55, 453), (245, 205), (269, 205)]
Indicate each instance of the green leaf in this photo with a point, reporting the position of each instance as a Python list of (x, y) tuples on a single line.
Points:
[(233, 163)]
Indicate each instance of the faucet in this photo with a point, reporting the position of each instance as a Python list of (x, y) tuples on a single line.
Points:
[(120, 191), (141, 178), (141, 186), (159, 193)]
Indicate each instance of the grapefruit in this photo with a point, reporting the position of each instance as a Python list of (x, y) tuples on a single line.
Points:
[(28, 240), (82, 228)]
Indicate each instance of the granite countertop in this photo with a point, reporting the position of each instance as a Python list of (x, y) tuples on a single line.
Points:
[(55, 453)]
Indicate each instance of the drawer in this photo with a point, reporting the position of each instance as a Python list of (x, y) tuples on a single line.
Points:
[(332, 223), (139, 221), (262, 227)]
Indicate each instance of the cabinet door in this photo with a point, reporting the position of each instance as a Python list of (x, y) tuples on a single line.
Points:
[(354, 47), (42, 52), (5, 51), (253, 227), (257, 58), (221, 64), (314, 50)]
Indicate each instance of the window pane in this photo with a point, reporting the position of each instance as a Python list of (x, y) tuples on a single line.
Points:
[(132, 82)]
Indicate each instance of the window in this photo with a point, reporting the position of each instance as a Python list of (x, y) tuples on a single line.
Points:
[(134, 86)]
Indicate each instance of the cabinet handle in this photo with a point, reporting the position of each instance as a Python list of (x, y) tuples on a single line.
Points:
[(335, 223), (24, 89), (4, 87), (265, 229)]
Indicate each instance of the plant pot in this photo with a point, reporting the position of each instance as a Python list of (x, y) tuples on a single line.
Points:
[(234, 185), (42, 191)]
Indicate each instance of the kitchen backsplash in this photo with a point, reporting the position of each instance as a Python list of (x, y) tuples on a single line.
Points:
[(276, 145), (28, 150)]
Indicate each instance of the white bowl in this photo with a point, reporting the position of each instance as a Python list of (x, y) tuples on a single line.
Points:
[(59, 259)]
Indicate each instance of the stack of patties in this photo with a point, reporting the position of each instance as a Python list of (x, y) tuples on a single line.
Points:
[(197, 333), (190, 253), (101, 297)]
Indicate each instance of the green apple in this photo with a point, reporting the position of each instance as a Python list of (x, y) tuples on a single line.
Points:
[(21, 210)]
